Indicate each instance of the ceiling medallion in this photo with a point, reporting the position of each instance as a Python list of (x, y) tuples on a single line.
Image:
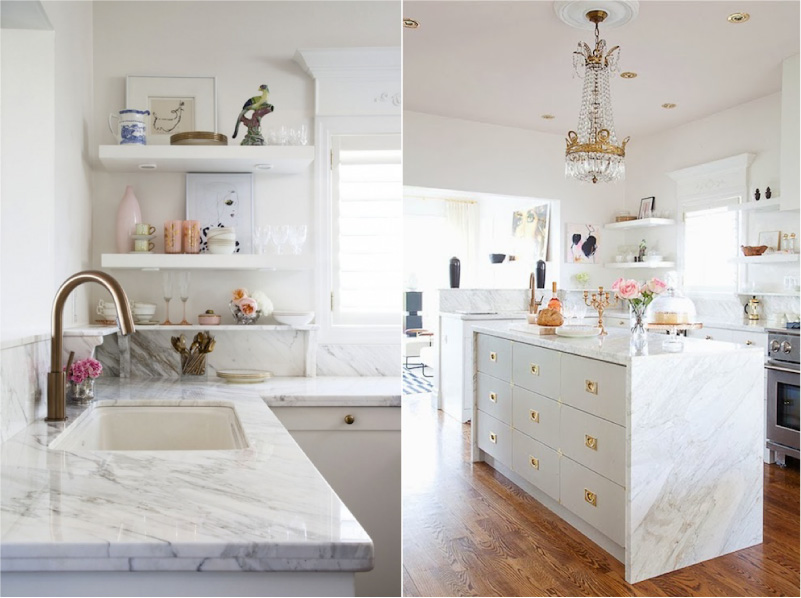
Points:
[(410, 23), (593, 153), (738, 17), (668, 105), (628, 75)]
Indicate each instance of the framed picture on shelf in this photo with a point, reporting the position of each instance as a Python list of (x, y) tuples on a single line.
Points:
[(646, 207), (176, 104), (222, 200), (771, 238)]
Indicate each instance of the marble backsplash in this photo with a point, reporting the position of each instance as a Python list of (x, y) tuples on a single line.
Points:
[(359, 360), (483, 300), (722, 307), (23, 386)]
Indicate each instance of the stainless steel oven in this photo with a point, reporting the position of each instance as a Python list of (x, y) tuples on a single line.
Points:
[(782, 368)]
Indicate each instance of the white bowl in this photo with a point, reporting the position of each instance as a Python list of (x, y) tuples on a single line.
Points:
[(220, 232), (222, 238), (222, 242), (221, 250), (293, 318)]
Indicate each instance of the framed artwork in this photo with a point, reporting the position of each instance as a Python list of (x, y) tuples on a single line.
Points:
[(176, 104), (222, 200), (646, 207), (583, 242), (532, 226), (771, 238)]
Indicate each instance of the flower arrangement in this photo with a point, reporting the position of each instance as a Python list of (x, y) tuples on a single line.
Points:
[(638, 295), (83, 370), (582, 278), (248, 307)]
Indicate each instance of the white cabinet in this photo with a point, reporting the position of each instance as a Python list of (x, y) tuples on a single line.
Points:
[(362, 462)]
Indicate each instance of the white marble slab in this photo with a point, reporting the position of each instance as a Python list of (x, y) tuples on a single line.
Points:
[(482, 300), (501, 315), (263, 508), (23, 385), (359, 360), (364, 391)]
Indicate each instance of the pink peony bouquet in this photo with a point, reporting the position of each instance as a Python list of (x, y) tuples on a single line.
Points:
[(83, 369), (248, 307), (638, 295)]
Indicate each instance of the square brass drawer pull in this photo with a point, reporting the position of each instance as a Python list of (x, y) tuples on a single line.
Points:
[(591, 387), (493, 397), (534, 415), (493, 356), (535, 463), (591, 442), (493, 437), (535, 369), (590, 497)]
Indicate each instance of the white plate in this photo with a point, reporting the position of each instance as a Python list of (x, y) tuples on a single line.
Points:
[(141, 252), (243, 376), (578, 331), (147, 323), (143, 237)]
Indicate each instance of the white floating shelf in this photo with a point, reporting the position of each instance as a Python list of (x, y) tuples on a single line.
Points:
[(205, 261), (629, 265), (766, 205), (770, 293), (640, 223), (225, 327), (771, 258), (264, 159)]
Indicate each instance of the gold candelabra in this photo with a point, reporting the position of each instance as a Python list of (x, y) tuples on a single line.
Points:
[(599, 301)]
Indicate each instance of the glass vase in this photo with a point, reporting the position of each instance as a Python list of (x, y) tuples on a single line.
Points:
[(639, 338), (242, 318), (82, 392)]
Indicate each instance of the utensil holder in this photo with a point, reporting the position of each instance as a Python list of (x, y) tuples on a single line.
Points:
[(193, 365)]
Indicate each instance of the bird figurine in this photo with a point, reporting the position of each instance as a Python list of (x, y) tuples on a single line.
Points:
[(257, 104)]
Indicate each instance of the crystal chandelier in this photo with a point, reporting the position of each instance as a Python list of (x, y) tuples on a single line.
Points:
[(593, 153)]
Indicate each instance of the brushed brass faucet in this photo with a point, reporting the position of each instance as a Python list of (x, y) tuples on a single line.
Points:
[(533, 304), (57, 379)]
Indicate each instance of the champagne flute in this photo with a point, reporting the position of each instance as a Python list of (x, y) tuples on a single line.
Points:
[(166, 289), (183, 289)]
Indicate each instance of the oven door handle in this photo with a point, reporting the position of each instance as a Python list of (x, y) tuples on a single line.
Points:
[(778, 369)]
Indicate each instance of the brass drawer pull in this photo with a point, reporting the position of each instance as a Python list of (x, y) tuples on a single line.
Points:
[(590, 497), (493, 437), (591, 387), (534, 415), (349, 419), (535, 463), (493, 356), (590, 442), (535, 369), (493, 397)]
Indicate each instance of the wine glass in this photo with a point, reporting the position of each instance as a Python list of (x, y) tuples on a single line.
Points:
[(298, 237), (280, 235), (166, 289), (183, 289)]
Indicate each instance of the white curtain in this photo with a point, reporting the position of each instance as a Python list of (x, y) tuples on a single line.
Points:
[(462, 217)]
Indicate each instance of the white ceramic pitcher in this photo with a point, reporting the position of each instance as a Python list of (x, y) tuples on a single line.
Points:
[(131, 126)]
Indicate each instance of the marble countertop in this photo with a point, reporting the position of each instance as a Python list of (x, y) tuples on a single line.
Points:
[(332, 391), (264, 508), (499, 315), (614, 347)]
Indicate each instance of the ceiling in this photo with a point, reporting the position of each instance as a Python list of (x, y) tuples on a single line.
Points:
[(510, 62)]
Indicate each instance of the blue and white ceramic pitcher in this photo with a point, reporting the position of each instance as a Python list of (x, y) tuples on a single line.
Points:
[(131, 126)]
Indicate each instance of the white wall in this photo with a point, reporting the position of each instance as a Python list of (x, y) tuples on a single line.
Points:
[(449, 153)]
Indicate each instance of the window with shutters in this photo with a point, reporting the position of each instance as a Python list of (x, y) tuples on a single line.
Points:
[(711, 234), (366, 230)]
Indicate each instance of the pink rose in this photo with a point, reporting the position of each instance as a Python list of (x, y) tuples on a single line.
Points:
[(616, 284), (628, 289), (240, 294), (655, 286), (248, 306)]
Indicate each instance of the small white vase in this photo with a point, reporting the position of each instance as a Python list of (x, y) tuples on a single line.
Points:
[(128, 215)]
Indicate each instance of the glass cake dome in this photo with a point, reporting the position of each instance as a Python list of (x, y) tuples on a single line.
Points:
[(671, 307)]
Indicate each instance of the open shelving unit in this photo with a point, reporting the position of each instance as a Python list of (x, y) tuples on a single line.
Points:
[(771, 258), (766, 205), (640, 265), (206, 261), (640, 223)]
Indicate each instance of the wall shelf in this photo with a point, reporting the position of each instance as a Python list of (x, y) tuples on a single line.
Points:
[(767, 205), (770, 294), (226, 327), (281, 159), (771, 258), (638, 265), (640, 223), (205, 261)]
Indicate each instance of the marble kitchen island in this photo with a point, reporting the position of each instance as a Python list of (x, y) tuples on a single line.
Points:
[(256, 521), (656, 457)]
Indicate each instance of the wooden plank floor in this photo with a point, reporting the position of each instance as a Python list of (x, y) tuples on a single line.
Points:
[(468, 531)]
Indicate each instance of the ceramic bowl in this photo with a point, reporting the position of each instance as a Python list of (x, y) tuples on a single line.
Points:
[(209, 319), (223, 239), (293, 318), (497, 258), (222, 249)]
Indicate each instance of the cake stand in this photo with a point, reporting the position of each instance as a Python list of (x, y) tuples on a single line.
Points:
[(674, 344)]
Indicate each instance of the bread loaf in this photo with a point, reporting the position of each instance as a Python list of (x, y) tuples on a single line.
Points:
[(549, 317)]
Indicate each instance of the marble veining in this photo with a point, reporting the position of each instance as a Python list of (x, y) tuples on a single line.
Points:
[(359, 360), (23, 385), (477, 300), (364, 391), (263, 508)]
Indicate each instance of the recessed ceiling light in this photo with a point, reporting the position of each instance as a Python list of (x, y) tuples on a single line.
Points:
[(548, 116), (410, 23), (668, 105), (147, 166), (738, 17), (263, 166), (628, 75)]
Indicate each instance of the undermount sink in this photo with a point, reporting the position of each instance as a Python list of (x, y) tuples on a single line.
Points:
[(154, 427)]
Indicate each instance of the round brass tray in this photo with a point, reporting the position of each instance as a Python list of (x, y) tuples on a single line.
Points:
[(670, 327), (198, 138)]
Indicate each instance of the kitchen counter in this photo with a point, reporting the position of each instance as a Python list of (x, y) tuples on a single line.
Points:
[(264, 508), (477, 315)]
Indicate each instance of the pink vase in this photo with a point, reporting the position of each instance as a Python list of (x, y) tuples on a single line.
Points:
[(128, 215)]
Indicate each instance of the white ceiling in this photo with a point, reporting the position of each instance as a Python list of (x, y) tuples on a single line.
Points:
[(509, 62)]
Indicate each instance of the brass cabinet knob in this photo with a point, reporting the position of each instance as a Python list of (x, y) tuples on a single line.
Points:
[(493, 356), (493, 437), (535, 369), (349, 419), (590, 497), (535, 463), (591, 442), (493, 397), (591, 387), (534, 415)]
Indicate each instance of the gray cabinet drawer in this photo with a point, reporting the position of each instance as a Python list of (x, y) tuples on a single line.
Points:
[(536, 369), (494, 397), (494, 357), (536, 462), (495, 438), (595, 499), (535, 415), (594, 442), (595, 386)]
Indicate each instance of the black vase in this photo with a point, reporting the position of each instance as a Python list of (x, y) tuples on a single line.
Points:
[(540, 274), (455, 272)]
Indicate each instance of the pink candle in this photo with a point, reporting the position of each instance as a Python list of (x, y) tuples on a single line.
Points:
[(172, 236), (191, 236)]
